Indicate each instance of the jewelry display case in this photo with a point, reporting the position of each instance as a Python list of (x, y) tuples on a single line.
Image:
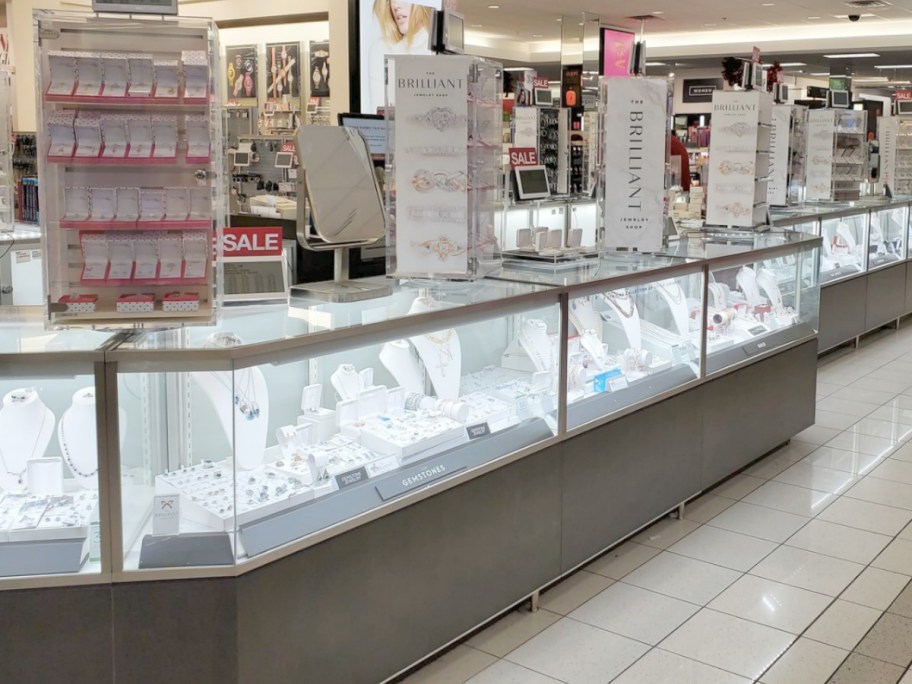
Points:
[(762, 294), (888, 235), (129, 131), (844, 250), (296, 420), (49, 450), (552, 232), (895, 138)]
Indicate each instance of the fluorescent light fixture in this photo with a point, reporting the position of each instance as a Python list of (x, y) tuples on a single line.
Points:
[(656, 64), (850, 55), (872, 79), (819, 73), (785, 64), (893, 66)]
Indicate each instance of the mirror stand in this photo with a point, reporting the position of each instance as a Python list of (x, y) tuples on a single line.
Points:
[(342, 289)]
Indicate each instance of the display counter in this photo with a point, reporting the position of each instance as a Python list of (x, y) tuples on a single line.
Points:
[(307, 475), (864, 263)]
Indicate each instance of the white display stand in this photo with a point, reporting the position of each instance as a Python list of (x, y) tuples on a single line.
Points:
[(739, 158), (26, 428)]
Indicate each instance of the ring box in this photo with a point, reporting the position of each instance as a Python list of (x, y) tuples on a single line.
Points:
[(79, 303), (180, 302), (136, 303)]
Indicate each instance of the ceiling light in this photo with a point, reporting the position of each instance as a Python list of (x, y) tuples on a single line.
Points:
[(893, 66), (819, 73), (710, 24), (476, 25), (657, 13), (785, 64), (768, 4), (493, 6), (846, 16), (537, 35), (813, 17), (655, 64), (872, 79), (853, 54)]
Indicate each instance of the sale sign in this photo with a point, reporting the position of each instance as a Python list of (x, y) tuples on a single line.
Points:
[(260, 241), (523, 156)]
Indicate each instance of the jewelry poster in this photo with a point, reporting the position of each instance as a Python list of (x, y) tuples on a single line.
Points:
[(319, 68), (821, 128), (430, 167), (732, 189), (777, 189), (634, 184), (283, 61), (241, 72)]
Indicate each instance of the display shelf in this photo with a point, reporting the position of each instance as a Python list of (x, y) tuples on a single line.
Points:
[(153, 102), (80, 57), (135, 225)]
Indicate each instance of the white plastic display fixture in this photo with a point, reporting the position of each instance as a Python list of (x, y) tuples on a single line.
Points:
[(135, 127)]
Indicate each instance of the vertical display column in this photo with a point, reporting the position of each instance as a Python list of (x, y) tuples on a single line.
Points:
[(129, 148), (820, 152), (6, 153), (445, 158), (739, 155)]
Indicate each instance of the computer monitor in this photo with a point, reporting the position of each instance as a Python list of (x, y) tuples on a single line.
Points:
[(532, 182), (239, 158), (839, 99), (904, 107), (543, 97), (284, 160), (373, 127), (447, 33)]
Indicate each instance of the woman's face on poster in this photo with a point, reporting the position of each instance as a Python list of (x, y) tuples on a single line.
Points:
[(402, 12)]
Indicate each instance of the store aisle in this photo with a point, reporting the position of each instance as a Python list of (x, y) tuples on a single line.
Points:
[(796, 571)]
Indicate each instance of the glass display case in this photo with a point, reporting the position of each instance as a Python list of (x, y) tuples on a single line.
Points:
[(548, 232), (340, 411), (49, 454), (131, 182), (888, 234), (844, 249), (763, 293)]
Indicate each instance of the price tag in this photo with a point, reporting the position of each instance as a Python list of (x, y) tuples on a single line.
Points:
[(615, 384), (478, 431), (352, 477)]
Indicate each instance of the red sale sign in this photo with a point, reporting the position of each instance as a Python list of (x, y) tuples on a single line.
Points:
[(540, 82), (903, 95), (261, 241), (523, 156)]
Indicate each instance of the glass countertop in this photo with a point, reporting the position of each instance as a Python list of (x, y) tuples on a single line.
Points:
[(607, 267), (715, 245), (22, 331), (242, 325)]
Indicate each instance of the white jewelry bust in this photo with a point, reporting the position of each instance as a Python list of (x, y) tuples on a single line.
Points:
[(440, 352), (26, 428), (397, 358)]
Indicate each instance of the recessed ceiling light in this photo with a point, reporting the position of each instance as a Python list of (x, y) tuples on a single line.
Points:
[(710, 24), (657, 13), (785, 64), (769, 4), (476, 25), (872, 79), (537, 35), (813, 17), (819, 73), (655, 64), (853, 55), (493, 6), (893, 66)]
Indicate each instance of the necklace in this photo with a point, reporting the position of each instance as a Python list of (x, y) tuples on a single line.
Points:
[(244, 397), (676, 298), (21, 473), (613, 297), (441, 342), (66, 452)]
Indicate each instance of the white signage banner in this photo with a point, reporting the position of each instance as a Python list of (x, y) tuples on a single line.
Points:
[(777, 188), (431, 165), (820, 132), (887, 134), (636, 133), (732, 188), (525, 131)]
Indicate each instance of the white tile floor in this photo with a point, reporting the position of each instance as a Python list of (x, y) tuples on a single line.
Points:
[(774, 577)]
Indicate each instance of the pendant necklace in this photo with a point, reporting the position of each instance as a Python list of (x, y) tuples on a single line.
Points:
[(441, 342), (676, 298), (21, 473), (66, 453), (613, 298)]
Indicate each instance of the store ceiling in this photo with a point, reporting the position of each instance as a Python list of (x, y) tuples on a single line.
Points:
[(540, 19)]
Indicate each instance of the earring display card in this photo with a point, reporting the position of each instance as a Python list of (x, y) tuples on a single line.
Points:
[(132, 192)]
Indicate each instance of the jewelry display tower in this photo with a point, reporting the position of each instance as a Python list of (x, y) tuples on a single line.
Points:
[(444, 161), (6, 153), (895, 136), (129, 154), (788, 155), (739, 154), (837, 159)]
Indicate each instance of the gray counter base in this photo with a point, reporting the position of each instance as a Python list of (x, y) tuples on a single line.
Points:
[(362, 606), (851, 308)]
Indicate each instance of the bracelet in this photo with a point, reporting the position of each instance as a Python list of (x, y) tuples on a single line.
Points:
[(440, 118), (413, 401), (425, 181), (441, 214), (727, 167), (443, 247)]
